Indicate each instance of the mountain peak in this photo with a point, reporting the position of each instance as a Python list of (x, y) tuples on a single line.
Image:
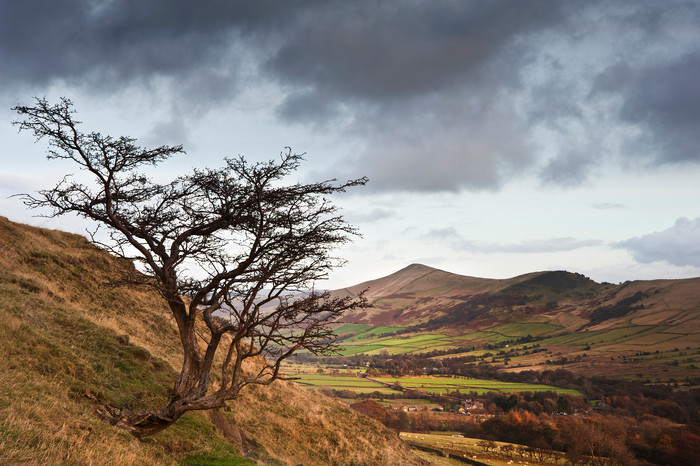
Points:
[(417, 266)]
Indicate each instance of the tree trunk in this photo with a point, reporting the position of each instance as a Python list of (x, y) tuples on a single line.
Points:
[(145, 423), (142, 425)]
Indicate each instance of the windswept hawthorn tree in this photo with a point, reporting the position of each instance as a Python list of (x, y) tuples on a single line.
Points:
[(233, 252)]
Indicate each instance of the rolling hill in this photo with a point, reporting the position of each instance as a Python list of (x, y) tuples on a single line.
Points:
[(68, 338), (650, 325), (422, 296)]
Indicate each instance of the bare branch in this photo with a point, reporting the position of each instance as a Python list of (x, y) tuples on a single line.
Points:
[(242, 246)]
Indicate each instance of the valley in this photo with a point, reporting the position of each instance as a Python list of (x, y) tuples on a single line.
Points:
[(545, 360), (530, 364)]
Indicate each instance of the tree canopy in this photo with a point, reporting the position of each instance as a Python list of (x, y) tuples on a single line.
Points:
[(234, 252)]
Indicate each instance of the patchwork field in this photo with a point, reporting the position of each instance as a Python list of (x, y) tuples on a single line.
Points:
[(446, 385), (533, 321), (368, 342), (428, 385), (355, 384), (659, 352)]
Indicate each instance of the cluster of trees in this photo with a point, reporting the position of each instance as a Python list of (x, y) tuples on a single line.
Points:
[(596, 439), (632, 398), (632, 421), (472, 309), (619, 309)]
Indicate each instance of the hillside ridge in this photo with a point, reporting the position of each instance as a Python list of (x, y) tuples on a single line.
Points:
[(534, 321), (419, 295)]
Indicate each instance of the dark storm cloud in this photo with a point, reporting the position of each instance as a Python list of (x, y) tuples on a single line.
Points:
[(113, 43), (473, 146), (384, 51), (678, 245), (435, 96), (423, 84), (664, 100)]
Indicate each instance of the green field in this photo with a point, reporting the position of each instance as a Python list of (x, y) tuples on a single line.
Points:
[(508, 345), (444, 385), (431, 385), (368, 340), (393, 345), (340, 382), (373, 332), (352, 328), (368, 343)]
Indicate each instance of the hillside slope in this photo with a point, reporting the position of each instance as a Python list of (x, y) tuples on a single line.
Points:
[(644, 329), (422, 297), (418, 293), (65, 334)]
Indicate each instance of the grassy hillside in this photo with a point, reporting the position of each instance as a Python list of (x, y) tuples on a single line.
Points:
[(423, 297), (648, 329), (417, 294), (67, 337)]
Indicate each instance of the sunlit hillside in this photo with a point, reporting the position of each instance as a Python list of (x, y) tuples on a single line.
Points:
[(646, 328), (68, 338)]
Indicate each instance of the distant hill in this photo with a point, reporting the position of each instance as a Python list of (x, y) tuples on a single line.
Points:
[(425, 297), (646, 328), (65, 333), (416, 294)]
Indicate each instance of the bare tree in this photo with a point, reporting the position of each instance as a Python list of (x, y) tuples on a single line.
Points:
[(232, 251)]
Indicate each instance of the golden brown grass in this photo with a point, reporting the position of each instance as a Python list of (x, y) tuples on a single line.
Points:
[(64, 333), (305, 427)]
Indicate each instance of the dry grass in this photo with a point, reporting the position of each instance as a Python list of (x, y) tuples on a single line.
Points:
[(306, 427), (63, 333)]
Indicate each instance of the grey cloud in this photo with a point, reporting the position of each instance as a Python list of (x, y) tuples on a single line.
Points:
[(442, 234), (414, 81), (678, 245), (370, 216), (664, 100), (549, 245), (467, 142), (571, 167), (188, 57), (432, 92), (423, 84), (609, 206), (171, 132), (309, 106), (455, 239), (555, 99), (634, 101), (612, 79), (535, 246), (110, 44), (361, 49), (391, 50)]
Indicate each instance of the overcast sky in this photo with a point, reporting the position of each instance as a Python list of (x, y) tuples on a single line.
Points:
[(499, 137)]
